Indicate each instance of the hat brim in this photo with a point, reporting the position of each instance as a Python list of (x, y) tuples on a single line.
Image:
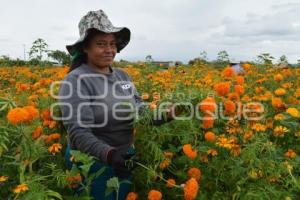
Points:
[(122, 35)]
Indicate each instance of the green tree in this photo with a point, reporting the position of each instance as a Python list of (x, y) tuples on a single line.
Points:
[(265, 59), (223, 57), (283, 60), (38, 49), (60, 56)]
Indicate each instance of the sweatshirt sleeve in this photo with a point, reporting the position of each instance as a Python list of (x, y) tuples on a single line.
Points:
[(80, 136), (141, 106)]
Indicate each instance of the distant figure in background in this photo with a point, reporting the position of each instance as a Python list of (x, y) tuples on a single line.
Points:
[(238, 69)]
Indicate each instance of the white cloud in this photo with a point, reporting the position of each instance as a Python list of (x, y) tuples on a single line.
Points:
[(168, 30)]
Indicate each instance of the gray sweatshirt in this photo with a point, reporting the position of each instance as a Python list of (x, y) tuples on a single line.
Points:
[(97, 110)]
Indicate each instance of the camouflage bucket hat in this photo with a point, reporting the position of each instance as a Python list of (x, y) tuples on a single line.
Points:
[(99, 20)]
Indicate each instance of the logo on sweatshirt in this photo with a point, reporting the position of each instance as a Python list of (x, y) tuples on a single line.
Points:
[(126, 86)]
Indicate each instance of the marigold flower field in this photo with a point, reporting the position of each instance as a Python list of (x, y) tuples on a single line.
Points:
[(218, 153)]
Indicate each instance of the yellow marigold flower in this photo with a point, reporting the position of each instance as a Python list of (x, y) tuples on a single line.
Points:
[(154, 195), (189, 152), (170, 183), (293, 112), (21, 188), (191, 188), (132, 196), (55, 148), (290, 153), (3, 179), (280, 92), (279, 117), (212, 152), (17, 116), (227, 143), (279, 131), (259, 127)]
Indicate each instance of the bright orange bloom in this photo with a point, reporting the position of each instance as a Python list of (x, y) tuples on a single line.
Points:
[(55, 148), (228, 72), (222, 88), (21, 188), (239, 89), (277, 102), (278, 77), (280, 92), (240, 80), (170, 183), (132, 196), (55, 136), (210, 136), (46, 115), (191, 188), (208, 122), (208, 104), (290, 153), (33, 112), (37, 132), (154, 195), (17, 116), (194, 173), (189, 152), (229, 107)]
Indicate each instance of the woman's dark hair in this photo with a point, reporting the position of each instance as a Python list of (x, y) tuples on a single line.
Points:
[(80, 55)]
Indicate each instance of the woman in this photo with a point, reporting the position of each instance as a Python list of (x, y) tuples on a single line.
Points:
[(92, 99)]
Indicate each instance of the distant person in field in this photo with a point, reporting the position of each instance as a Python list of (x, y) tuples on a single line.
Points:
[(236, 66), (91, 96)]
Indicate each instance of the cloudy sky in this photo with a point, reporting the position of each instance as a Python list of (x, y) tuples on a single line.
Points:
[(167, 30)]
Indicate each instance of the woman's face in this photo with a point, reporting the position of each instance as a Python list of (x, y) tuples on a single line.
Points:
[(101, 50)]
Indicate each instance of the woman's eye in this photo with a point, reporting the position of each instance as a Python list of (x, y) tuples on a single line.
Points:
[(101, 44)]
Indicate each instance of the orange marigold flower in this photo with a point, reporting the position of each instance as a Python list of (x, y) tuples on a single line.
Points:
[(194, 173), (278, 77), (228, 72), (21, 188), (37, 132), (46, 115), (55, 148), (33, 112), (164, 164), (280, 92), (55, 136), (233, 96), (290, 153), (229, 107), (208, 104), (191, 188), (277, 102), (222, 88), (240, 80), (145, 96), (17, 116), (154, 195), (210, 136), (239, 89), (208, 122), (170, 183), (131, 196), (189, 152)]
